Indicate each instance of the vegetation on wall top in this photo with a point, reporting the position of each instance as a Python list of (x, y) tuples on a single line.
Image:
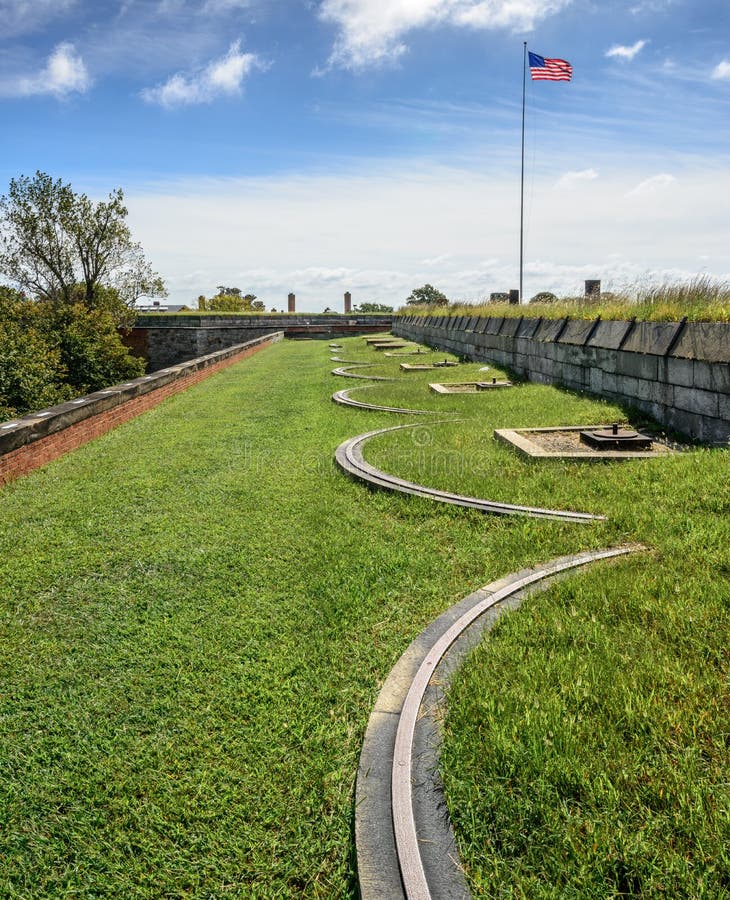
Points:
[(702, 299)]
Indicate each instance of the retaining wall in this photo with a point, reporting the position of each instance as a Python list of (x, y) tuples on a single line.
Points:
[(34, 440), (676, 372), (164, 340)]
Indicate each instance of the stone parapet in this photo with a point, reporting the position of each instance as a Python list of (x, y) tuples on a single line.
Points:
[(676, 372)]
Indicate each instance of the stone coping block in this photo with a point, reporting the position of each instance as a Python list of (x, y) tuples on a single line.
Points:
[(548, 330), (528, 327), (29, 428), (705, 341), (577, 331), (610, 334), (651, 337), (510, 327)]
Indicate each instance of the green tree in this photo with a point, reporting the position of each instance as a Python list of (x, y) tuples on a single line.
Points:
[(427, 295), (228, 291), (50, 352), (90, 346), (373, 308), (53, 239), (228, 302), (32, 374)]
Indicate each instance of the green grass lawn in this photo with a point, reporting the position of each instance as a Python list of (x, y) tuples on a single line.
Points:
[(198, 609)]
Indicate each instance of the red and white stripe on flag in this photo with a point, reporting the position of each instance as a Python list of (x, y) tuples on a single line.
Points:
[(544, 69)]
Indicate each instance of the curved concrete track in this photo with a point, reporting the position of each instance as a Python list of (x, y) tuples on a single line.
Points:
[(350, 459), (343, 371), (405, 844), (343, 398)]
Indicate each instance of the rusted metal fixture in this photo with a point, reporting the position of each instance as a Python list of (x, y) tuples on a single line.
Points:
[(615, 438), (488, 385)]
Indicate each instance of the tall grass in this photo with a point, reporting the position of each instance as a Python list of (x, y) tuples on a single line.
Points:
[(702, 299)]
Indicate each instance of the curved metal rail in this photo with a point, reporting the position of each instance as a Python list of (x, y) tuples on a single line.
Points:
[(406, 849), (350, 459), (342, 371), (343, 398)]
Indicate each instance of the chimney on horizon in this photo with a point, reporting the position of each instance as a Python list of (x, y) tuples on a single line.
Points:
[(292, 303), (348, 302)]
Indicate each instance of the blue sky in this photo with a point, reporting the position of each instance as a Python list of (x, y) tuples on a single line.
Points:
[(329, 145)]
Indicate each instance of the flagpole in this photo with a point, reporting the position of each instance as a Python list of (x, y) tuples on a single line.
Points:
[(522, 171)]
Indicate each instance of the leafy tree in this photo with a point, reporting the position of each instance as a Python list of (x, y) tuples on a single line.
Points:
[(228, 291), (50, 352), (544, 297), (231, 302), (427, 295), (90, 346), (53, 239), (258, 306), (373, 308), (32, 374)]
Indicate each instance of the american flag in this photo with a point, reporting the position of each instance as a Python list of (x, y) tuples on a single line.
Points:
[(544, 69)]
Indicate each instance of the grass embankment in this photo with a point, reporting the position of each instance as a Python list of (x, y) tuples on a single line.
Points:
[(700, 300), (198, 610)]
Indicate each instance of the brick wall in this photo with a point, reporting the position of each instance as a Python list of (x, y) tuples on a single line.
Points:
[(36, 439), (677, 372)]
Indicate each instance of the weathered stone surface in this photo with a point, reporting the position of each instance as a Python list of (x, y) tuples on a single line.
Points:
[(709, 376), (638, 365), (609, 334), (549, 329), (576, 331), (697, 390), (703, 403), (651, 337), (704, 340), (528, 327), (509, 329)]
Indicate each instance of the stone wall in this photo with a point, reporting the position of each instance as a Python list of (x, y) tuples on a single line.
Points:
[(677, 372), (36, 439), (164, 340)]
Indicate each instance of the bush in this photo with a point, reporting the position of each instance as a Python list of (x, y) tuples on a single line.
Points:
[(50, 353), (32, 374)]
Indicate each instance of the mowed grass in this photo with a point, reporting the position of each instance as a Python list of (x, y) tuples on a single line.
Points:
[(587, 740), (198, 610)]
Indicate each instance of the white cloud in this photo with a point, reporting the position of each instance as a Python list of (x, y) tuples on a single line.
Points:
[(221, 77), (572, 179), (63, 74), (722, 70), (619, 51), (411, 223), (371, 32), (24, 16), (652, 185)]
